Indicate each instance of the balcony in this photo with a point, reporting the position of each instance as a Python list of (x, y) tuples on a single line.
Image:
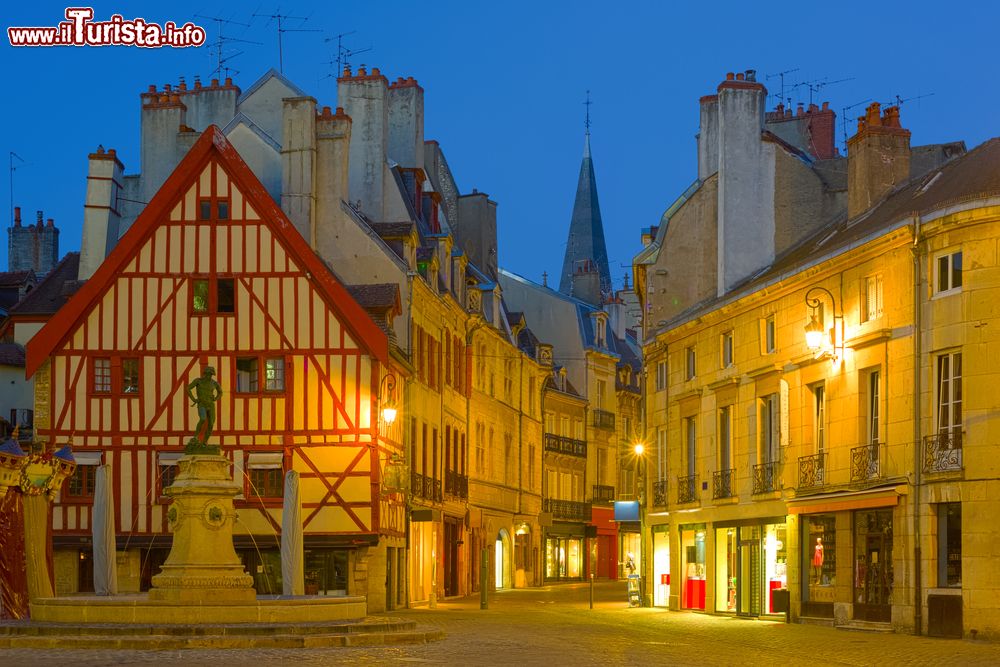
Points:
[(812, 471), (604, 419), (603, 493), (425, 487), (660, 493), (455, 484), (943, 452), (723, 482), (865, 463), (687, 489), (765, 477), (567, 510), (563, 445)]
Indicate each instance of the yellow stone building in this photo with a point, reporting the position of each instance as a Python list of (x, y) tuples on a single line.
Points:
[(825, 423)]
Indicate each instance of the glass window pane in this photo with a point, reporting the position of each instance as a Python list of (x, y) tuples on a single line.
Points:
[(246, 374), (223, 209), (226, 294), (942, 271), (199, 297), (956, 270), (205, 210), (130, 376), (274, 375)]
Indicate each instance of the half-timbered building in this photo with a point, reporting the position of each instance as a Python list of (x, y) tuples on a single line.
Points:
[(213, 273)]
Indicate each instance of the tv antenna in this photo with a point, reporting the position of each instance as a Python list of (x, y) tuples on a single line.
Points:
[(899, 101), (816, 86), (219, 45), (279, 19), (13, 168), (781, 77), (343, 59), (843, 118)]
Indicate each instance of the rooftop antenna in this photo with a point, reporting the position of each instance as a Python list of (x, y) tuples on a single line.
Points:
[(815, 86), (343, 53), (781, 76), (12, 169), (279, 19), (900, 100), (843, 118), (220, 42)]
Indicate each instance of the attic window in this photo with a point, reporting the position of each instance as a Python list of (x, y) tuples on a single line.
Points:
[(204, 209), (223, 210)]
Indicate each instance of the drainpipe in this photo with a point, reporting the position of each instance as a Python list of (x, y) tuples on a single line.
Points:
[(468, 445), (917, 445)]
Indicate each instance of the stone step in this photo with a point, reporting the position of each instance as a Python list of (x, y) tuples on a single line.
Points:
[(866, 626), (367, 625), (416, 635)]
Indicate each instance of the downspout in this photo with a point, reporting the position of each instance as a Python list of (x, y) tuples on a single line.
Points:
[(917, 445), (520, 432), (467, 383), (407, 445)]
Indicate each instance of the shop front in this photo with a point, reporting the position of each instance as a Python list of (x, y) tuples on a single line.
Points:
[(693, 566), (819, 564), (873, 572), (564, 552), (661, 565), (751, 562)]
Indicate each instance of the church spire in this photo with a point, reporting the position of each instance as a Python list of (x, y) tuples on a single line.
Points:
[(586, 252)]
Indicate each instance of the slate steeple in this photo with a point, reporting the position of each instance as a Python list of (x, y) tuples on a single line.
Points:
[(586, 251)]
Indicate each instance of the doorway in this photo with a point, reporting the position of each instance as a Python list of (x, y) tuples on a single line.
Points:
[(498, 569), (873, 566), (748, 582), (451, 539)]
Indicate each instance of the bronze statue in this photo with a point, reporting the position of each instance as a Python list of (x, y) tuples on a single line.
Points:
[(204, 392)]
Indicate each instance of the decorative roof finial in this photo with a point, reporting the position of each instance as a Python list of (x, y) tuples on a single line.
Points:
[(586, 122)]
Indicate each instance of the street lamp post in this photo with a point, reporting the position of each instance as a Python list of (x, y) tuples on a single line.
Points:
[(818, 338), (640, 450)]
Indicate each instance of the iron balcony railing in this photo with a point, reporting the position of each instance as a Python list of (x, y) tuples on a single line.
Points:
[(436, 490), (563, 445), (416, 484), (723, 482), (604, 419), (603, 493), (568, 510), (812, 471), (865, 463), (765, 477), (687, 489), (660, 493), (456, 484), (943, 451)]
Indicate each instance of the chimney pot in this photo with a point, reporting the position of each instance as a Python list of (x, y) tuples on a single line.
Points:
[(739, 77), (826, 106), (152, 88), (229, 81), (375, 71), (800, 110), (326, 112), (347, 71), (813, 108), (50, 223), (163, 99), (788, 112), (166, 87), (17, 216), (752, 75), (215, 83), (111, 151), (729, 76), (362, 71)]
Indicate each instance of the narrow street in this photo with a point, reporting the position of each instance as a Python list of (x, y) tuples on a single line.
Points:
[(554, 626)]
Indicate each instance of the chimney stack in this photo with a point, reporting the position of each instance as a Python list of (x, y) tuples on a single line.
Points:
[(364, 98), (101, 215), (17, 216), (587, 282), (406, 123), (333, 147), (298, 163), (878, 158)]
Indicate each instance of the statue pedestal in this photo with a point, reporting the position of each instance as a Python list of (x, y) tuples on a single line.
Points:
[(202, 565)]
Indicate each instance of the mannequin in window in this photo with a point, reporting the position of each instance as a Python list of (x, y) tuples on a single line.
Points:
[(817, 560)]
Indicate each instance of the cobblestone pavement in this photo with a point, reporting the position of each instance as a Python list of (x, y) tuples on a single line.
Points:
[(554, 626)]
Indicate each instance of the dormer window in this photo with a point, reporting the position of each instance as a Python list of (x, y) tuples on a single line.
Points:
[(600, 329)]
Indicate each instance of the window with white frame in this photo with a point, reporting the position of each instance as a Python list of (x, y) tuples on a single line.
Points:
[(550, 423), (725, 438), (726, 349), (661, 453), (871, 298), (689, 364), (769, 425), (599, 394), (691, 444), (819, 417), (949, 393), (167, 469), (948, 272), (265, 475), (768, 335), (661, 375), (872, 405)]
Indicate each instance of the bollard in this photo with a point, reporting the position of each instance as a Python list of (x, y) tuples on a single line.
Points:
[(591, 590), (484, 571)]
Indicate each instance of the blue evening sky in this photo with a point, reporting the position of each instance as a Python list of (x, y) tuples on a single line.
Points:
[(505, 84)]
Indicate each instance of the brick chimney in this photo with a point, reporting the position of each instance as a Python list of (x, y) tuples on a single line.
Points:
[(878, 158), (587, 282)]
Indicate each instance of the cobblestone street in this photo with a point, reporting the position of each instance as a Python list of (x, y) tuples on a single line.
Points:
[(554, 626)]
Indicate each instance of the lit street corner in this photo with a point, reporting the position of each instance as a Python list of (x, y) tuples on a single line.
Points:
[(554, 626)]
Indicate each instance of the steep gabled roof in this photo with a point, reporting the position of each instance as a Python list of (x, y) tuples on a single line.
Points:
[(586, 229), (211, 144), (53, 292)]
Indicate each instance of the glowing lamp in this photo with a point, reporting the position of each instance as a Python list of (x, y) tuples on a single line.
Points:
[(639, 448), (814, 333), (389, 414)]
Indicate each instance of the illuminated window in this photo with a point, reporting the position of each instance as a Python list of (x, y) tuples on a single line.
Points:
[(726, 351), (871, 298)]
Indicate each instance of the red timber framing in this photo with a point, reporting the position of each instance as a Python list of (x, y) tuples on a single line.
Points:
[(235, 286)]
